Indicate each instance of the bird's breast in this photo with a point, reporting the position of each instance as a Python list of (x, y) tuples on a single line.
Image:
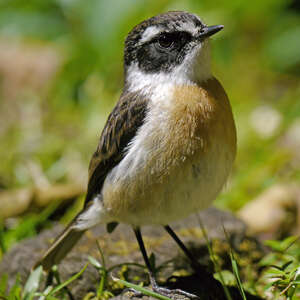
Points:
[(179, 159)]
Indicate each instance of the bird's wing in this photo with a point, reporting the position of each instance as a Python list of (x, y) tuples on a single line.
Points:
[(120, 128)]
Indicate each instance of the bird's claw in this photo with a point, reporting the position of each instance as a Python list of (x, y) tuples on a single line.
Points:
[(134, 293), (172, 293), (164, 292), (169, 292)]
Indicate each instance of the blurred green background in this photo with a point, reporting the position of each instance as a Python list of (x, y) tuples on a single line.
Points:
[(61, 73)]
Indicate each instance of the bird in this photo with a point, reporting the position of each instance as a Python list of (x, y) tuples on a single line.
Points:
[(169, 144)]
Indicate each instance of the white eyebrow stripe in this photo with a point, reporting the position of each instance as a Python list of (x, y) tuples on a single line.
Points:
[(153, 31), (188, 27), (150, 33)]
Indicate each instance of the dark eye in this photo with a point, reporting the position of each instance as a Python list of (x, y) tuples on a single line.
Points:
[(166, 40)]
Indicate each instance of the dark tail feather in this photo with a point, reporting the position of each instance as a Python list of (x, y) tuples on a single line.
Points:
[(60, 248)]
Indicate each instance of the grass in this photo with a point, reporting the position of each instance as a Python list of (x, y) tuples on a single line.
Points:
[(30, 289), (214, 260)]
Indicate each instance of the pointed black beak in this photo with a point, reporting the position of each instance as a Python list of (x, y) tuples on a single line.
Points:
[(208, 31)]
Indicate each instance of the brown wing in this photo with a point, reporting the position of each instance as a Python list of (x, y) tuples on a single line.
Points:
[(121, 126)]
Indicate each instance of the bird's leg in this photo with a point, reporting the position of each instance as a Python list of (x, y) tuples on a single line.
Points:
[(49, 279), (195, 264), (156, 288)]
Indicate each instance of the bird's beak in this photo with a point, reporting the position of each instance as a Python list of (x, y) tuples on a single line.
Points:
[(208, 31)]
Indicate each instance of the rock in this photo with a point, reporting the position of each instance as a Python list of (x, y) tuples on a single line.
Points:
[(268, 214), (120, 247)]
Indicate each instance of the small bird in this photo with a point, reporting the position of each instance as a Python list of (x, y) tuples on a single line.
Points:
[(168, 145)]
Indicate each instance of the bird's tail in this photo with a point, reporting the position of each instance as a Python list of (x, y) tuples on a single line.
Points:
[(91, 215), (61, 247)]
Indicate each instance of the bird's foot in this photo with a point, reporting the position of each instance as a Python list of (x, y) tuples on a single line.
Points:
[(170, 293), (173, 294), (134, 293)]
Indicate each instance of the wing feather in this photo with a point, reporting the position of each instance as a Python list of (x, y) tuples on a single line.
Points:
[(120, 128)]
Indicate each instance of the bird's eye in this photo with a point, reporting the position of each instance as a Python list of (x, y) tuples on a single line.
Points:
[(166, 40)]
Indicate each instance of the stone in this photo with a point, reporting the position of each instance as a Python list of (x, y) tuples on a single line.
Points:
[(120, 247)]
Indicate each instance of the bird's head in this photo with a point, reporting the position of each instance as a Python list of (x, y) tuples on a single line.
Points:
[(171, 47)]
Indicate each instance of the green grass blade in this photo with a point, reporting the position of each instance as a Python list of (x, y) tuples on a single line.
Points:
[(32, 284), (67, 282), (94, 262), (237, 276), (103, 272), (212, 257), (235, 268), (102, 283), (45, 292), (15, 292), (294, 285), (2, 239), (3, 283), (101, 254)]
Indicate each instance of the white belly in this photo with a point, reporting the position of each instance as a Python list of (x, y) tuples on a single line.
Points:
[(174, 166), (144, 198)]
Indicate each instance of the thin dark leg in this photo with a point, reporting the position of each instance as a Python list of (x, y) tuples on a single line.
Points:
[(49, 279), (180, 243), (155, 286), (187, 252), (139, 238)]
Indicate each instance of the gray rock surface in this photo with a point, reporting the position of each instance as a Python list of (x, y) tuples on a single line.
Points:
[(120, 247)]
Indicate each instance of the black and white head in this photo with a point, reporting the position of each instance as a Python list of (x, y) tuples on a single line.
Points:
[(171, 47)]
